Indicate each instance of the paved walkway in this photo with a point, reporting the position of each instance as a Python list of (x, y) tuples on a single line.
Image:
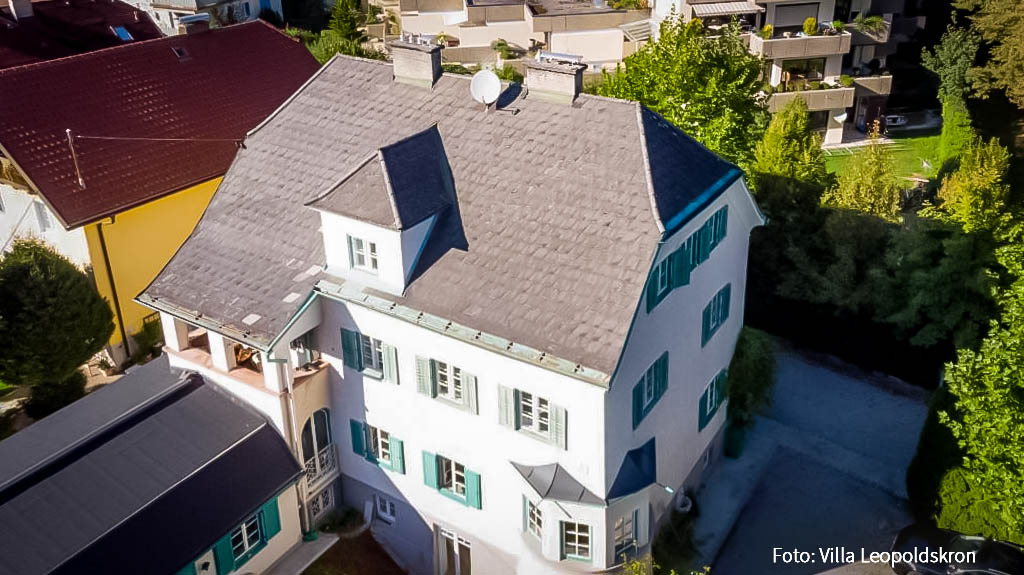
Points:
[(303, 555), (823, 421)]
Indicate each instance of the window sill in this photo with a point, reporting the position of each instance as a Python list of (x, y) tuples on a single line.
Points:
[(539, 436), (576, 558), (453, 496), (457, 404), (370, 372), (249, 554), (385, 519)]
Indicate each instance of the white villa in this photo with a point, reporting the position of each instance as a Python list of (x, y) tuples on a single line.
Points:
[(500, 333)]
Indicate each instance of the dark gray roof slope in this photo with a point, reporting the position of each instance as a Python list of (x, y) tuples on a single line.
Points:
[(552, 481), (398, 187), (154, 487), (556, 220)]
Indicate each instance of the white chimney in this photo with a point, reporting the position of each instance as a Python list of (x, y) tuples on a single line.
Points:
[(20, 8), (555, 77), (416, 60), (194, 23)]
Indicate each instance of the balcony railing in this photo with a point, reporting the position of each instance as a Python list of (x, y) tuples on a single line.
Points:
[(800, 46), (873, 85), (320, 466), (824, 99)]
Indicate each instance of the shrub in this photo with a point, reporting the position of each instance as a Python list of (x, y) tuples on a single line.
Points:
[(456, 69), (811, 26), (503, 49), (937, 453), (873, 25), (673, 548), (47, 398), (509, 74), (845, 81), (838, 25), (751, 376), (957, 132), (767, 31), (146, 339), (965, 509), (813, 85)]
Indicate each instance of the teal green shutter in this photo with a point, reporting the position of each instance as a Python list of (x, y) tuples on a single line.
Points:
[(526, 514), (705, 328), (271, 519), (390, 363), (707, 233), (661, 376), (638, 403), (726, 295), (189, 569), (722, 224), (358, 438), (723, 376), (681, 266), (703, 417), (652, 288), (473, 498), (223, 555), (397, 455), (430, 470), (350, 354), (370, 455)]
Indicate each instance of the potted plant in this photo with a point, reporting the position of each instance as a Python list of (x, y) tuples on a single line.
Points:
[(838, 25), (845, 81), (766, 32), (810, 26), (872, 25)]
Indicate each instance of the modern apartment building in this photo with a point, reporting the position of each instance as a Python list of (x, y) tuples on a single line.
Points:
[(501, 332), (597, 33), (813, 66)]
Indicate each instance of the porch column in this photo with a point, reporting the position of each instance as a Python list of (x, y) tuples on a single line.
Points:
[(221, 351), (175, 332)]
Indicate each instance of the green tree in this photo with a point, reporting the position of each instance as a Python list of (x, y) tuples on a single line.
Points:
[(870, 184), (988, 417), (346, 18), (751, 376), (708, 86), (976, 194), (1000, 23), (790, 149), (53, 322), (950, 61)]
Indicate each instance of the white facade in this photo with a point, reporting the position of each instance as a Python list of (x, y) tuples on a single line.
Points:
[(420, 524), (26, 215)]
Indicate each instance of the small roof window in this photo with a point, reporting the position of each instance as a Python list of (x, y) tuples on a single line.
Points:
[(123, 33)]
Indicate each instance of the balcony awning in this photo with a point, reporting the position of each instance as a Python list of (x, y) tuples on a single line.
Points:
[(725, 9)]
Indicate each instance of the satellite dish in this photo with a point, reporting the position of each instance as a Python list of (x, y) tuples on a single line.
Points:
[(485, 87)]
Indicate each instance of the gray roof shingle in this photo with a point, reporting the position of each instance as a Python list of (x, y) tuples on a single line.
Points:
[(556, 219)]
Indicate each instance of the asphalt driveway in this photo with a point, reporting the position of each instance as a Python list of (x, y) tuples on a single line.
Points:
[(835, 477)]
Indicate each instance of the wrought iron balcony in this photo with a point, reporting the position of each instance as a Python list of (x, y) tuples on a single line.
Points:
[(320, 466)]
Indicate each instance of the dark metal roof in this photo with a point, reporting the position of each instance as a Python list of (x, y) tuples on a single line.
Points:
[(558, 213), (553, 482), (176, 109), (154, 486), (638, 470)]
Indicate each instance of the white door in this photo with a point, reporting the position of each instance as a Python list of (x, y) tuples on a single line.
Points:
[(453, 553)]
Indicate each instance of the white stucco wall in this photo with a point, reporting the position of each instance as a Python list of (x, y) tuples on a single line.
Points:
[(390, 274), (596, 46), (675, 326), (19, 219)]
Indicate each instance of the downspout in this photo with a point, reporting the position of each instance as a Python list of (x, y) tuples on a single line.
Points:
[(113, 286)]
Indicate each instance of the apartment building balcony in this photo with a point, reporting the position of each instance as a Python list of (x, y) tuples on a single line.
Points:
[(817, 100), (321, 467), (872, 85), (865, 35), (800, 46)]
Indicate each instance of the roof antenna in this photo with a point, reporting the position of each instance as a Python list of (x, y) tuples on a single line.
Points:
[(74, 158)]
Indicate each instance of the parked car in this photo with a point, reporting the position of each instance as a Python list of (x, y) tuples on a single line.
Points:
[(990, 557), (895, 120)]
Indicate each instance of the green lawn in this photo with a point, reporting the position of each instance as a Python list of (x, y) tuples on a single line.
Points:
[(908, 154)]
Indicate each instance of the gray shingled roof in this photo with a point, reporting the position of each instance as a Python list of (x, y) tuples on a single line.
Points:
[(557, 216), (553, 482)]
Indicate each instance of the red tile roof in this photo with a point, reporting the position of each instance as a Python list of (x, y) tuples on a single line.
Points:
[(211, 86), (60, 28)]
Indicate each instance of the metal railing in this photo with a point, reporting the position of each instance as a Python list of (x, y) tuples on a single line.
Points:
[(318, 467)]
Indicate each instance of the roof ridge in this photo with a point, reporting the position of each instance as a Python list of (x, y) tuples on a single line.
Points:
[(102, 51), (647, 167), (348, 175)]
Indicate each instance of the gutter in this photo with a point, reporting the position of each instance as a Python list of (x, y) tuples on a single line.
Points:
[(113, 287)]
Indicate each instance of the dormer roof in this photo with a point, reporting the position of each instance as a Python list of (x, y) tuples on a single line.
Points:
[(398, 186)]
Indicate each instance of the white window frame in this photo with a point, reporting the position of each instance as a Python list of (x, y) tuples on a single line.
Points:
[(372, 351), (534, 413), (534, 519), (712, 396), (650, 387), (576, 530), (380, 444), (43, 216), (458, 542), (366, 250), (385, 507), (717, 306), (623, 538), (663, 283), (452, 476), (247, 530), (449, 382)]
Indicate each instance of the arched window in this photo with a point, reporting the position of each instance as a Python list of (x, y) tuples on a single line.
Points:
[(317, 451)]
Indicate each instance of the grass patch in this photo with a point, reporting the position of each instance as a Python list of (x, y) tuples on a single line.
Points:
[(909, 152), (673, 549), (360, 555), (5, 389)]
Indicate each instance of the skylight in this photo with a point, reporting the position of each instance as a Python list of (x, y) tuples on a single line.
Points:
[(123, 33)]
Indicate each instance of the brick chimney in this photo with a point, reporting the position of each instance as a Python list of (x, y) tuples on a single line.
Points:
[(554, 78), (416, 60), (20, 8)]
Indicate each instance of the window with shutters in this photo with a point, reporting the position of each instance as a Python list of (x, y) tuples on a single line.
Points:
[(378, 446), (369, 355), (534, 519), (650, 388), (711, 399), (452, 475), (715, 313), (674, 269), (246, 538), (664, 276), (575, 541), (452, 479), (364, 254), (449, 382), (532, 414)]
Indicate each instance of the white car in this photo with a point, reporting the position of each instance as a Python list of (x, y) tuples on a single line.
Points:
[(895, 121)]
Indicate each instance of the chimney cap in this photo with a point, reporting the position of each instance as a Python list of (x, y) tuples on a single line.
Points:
[(421, 42)]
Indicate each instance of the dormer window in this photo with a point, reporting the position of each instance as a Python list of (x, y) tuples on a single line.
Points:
[(364, 254)]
